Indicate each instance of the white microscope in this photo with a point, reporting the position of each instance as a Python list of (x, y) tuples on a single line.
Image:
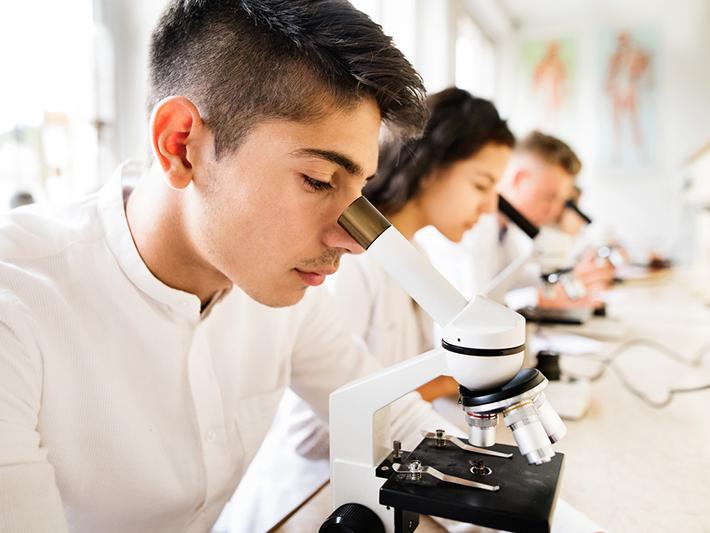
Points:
[(554, 254), (477, 482)]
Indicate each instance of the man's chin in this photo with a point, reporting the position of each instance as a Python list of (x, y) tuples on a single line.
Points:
[(282, 299)]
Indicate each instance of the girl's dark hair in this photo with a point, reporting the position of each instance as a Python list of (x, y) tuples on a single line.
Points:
[(459, 125)]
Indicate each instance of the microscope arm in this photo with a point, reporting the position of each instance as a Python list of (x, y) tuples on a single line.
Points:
[(352, 405), (359, 436)]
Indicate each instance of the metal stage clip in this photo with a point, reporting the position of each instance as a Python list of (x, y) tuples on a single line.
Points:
[(466, 447), (418, 469)]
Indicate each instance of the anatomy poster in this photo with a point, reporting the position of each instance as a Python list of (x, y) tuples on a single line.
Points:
[(549, 82), (629, 98)]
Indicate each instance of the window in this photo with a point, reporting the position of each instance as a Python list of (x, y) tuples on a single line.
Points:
[(397, 18), (51, 114), (475, 59)]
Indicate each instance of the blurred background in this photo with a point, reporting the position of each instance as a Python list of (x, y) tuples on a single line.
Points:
[(626, 84)]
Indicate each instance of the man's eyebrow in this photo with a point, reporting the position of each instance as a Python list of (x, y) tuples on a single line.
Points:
[(334, 157)]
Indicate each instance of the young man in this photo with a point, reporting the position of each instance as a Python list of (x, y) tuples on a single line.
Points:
[(147, 332), (538, 183)]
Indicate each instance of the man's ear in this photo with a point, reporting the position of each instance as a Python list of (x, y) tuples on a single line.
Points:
[(519, 177), (175, 125)]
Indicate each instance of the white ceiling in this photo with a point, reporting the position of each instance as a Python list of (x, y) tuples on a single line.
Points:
[(549, 12)]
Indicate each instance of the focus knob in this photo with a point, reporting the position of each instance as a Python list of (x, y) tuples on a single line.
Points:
[(352, 518)]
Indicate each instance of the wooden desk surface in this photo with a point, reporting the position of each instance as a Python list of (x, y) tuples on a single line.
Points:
[(629, 467)]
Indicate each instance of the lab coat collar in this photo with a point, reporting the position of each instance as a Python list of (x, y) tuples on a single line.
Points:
[(120, 241)]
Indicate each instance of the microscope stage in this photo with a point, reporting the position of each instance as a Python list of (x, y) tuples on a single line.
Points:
[(525, 502)]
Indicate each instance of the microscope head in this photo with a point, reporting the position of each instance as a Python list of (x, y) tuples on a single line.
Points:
[(484, 341), (485, 344), (493, 384)]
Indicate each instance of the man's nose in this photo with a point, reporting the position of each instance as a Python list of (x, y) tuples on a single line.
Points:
[(337, 237)]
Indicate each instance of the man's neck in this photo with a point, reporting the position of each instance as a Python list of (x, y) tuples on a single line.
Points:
[(156, 221)]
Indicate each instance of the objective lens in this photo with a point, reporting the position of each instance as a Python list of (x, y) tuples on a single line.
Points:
[(482, 429), (551, 421), (530, 436)]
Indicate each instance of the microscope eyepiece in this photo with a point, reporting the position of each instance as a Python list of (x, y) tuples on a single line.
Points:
[(363, 222)]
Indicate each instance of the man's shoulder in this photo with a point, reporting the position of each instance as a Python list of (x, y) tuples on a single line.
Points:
[(43, 230), (41, 250)]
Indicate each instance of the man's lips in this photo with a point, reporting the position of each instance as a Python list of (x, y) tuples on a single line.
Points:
[(315, 277)]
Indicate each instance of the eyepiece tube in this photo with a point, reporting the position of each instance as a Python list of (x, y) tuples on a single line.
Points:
[(517, 218), (570, 204), (414, 273)]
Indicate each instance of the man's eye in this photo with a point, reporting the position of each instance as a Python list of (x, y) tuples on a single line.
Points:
[(316, 185), (483, 187)]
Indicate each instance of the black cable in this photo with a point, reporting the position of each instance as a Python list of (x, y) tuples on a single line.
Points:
[(607, 362)]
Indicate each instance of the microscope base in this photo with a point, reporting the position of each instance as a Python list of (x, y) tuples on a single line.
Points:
[(525, 502)]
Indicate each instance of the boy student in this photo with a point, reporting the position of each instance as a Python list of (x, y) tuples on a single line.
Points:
[(148, 332)]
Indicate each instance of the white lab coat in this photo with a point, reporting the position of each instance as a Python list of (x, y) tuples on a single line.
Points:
[(293, 461), (380, 312), (123, 405), (483, 253)]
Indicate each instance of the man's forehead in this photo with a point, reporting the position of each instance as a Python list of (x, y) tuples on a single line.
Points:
[(353, 132), (347, 138)]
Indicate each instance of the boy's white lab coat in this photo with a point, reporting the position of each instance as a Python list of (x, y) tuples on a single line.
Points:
[(293, 461), (123, 405)]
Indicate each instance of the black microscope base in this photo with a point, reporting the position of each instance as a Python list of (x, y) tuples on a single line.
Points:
[(525, 502)]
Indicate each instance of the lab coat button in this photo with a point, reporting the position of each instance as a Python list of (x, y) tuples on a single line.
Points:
[(210, 436)]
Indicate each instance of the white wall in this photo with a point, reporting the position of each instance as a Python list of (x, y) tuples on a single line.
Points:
[(643, 208), (424, 30), (130, 23)]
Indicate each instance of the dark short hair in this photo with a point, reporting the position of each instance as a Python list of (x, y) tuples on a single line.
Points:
[(243, 61), (459, 126), (551, 150)]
